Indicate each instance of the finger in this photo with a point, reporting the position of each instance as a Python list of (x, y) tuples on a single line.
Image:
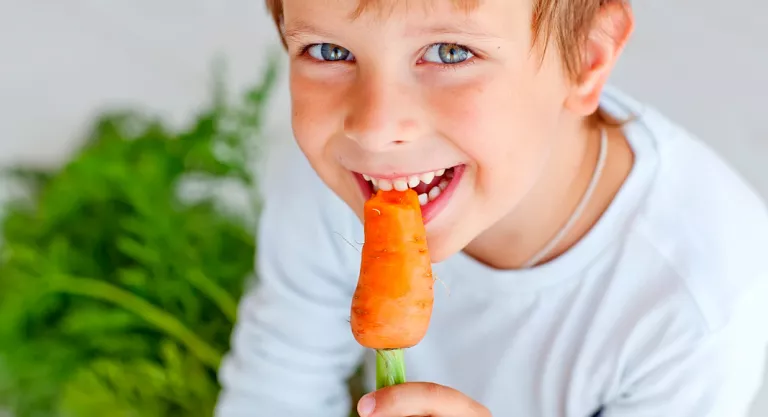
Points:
[(419, 399)]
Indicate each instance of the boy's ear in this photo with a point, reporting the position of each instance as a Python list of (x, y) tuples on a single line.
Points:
[(605, 42)]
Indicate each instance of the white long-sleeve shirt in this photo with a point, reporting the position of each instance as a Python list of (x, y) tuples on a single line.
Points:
[(660, 310)]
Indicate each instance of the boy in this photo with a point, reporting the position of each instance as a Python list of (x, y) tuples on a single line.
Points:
[(597, 259)]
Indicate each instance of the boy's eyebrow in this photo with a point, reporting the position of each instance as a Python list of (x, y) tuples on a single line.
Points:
[(469, 29), (300, 28)]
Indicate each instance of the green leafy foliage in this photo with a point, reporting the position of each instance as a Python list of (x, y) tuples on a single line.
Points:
[(118, 292)]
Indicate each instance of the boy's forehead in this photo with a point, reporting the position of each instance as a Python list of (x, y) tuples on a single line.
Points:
[(355, 9), (385, 6), (328, 18)]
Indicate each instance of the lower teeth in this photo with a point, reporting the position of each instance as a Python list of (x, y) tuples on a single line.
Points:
[(433, 193)]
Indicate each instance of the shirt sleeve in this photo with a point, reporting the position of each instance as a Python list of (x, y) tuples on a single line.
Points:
[(716, 374), (292, 347)]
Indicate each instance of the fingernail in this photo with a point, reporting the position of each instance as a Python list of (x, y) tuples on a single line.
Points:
[(366, 405)]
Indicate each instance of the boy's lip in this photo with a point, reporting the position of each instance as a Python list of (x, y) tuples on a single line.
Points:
[(428, 211)]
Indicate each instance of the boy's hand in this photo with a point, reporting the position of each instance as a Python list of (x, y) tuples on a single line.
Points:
[(419, 399)]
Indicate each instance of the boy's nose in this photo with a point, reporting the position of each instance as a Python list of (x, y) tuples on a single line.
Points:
[(381, 115)]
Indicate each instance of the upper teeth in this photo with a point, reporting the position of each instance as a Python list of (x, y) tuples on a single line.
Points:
[(412, 181)]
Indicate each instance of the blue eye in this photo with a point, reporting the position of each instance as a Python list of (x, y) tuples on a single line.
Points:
[(447, 53), (329, 52)]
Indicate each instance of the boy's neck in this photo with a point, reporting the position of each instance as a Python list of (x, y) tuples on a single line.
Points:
[(510, 243)]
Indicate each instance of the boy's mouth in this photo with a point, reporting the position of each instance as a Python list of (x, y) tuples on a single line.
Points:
[(433, 188)]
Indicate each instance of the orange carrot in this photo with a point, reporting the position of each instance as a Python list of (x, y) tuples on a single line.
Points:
[(392, 304)]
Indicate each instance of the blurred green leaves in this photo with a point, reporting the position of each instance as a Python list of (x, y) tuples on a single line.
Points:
[(118, 292)]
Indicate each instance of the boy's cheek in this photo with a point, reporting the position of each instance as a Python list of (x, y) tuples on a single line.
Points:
[(486, 100), (315, 119), (315, 113), (305, 95), (483, 120)]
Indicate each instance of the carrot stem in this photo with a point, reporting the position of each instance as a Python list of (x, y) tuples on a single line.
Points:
[(390, 367)]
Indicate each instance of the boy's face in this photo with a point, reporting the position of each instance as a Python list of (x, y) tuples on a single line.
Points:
[(413, 88)]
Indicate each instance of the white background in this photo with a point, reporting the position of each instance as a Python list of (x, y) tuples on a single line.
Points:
[(704, 63)]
